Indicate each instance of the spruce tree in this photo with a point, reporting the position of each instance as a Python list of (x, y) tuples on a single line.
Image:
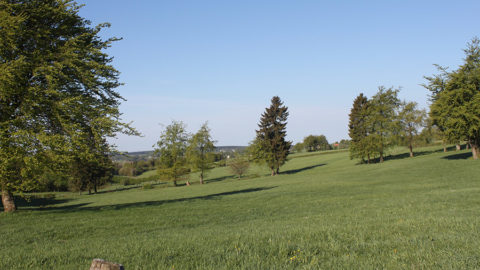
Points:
[(271, 144), (357, 128)]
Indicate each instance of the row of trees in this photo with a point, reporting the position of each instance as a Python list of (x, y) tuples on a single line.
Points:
[(376, 124), (58, 105), (179, 152), (383, 120)]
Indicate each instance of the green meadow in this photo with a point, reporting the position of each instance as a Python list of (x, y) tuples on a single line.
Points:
[(323, 211)]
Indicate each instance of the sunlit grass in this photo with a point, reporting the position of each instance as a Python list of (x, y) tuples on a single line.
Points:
[(323, 211)]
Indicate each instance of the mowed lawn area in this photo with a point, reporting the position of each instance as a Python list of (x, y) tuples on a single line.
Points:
[(324, 211)]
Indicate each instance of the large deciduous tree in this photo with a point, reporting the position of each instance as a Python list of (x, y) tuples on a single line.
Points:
[(270, 143), (56, 82), (200, 151), (383, 120), (456, 108), (171, 150)]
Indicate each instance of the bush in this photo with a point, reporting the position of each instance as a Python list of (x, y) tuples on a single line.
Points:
[(239, 166), (147, 186)]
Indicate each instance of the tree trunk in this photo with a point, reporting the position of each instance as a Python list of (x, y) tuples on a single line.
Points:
[(175, 183), (411, 150), (278, 171), (368, 162), (444, 148), (475, 150), (381, 156), (273, 172), (457, 147), (7, 201), (467, 145), (95, 186), (201, 178)]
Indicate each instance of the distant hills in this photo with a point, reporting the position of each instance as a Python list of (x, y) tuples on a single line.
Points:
[(145, 155)]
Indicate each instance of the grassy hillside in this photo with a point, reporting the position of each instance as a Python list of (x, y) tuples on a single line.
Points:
[(322, 212)]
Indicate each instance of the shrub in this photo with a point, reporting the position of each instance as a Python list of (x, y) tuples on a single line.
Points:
[(239, 166), (147, 186)]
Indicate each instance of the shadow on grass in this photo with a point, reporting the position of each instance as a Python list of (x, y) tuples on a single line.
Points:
[(302, 169), (407, 155), (36, 201), (123, 188), (218, 179), (459, 156), (82, 206)]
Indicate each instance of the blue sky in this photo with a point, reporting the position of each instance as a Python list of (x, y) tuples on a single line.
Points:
[(222, 61)]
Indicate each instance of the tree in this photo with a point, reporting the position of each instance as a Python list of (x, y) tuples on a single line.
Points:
[(200, 151), (456, 108), (382, 118), (298, 147), (358, 128), (270, 141), (411, 121), (239, 165), (315, 143), (171, 151), (56, 82)]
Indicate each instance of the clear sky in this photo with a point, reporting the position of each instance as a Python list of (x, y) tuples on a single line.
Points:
[(222, 61)]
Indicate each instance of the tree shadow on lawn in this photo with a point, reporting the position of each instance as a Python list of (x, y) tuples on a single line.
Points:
[(81, 206), (302, 169), (219, 179), (37, 201), (459, 156), (407, 155), (129, 187)]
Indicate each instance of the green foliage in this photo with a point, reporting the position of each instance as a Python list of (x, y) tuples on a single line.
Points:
[(147, 186), (359, 129), (171, 151), (412, 120), (344, 144), (298, 147), (239, 165), (315, 143), (374, 125), (383, 120), (200, 149), (456, 104), (270, 145), (57, 98)]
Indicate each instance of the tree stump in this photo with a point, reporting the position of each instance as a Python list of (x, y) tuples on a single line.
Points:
[(99, 264)]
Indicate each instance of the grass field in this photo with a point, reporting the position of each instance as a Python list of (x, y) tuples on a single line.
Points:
[(322, 212)]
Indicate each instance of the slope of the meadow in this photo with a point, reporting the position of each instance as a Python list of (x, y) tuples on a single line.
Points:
[(322, 212)]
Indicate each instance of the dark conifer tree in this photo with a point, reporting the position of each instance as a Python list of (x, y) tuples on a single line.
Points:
[(270, 140), (357, 128)]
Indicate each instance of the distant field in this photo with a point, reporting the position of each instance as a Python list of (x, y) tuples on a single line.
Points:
[(148, 174), (322, 212)]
